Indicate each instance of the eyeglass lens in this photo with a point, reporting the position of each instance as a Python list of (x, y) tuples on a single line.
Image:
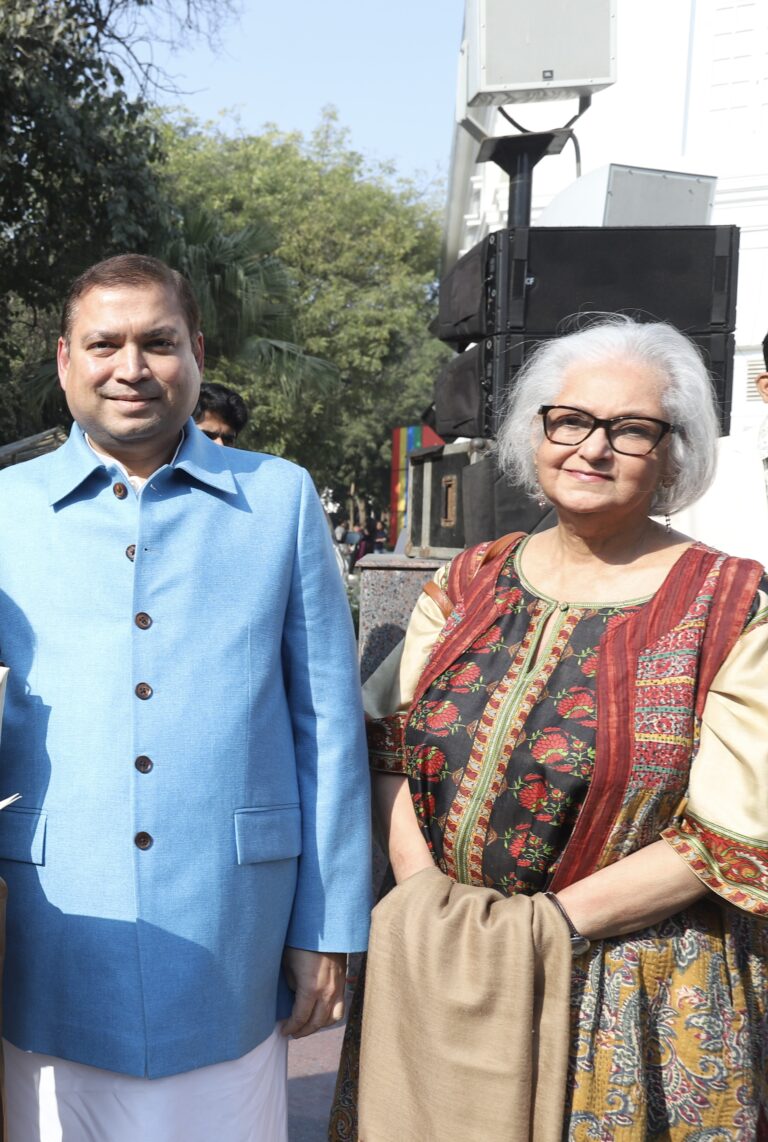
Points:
[(630, 435)]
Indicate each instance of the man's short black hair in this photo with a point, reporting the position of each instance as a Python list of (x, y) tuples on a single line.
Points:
[(765, 351), (224, 402), (135, 271)]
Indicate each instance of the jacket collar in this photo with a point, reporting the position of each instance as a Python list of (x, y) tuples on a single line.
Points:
[(75, 462), (205, 461)]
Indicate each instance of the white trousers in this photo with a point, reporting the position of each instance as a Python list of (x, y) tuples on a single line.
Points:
[(54, 1100)]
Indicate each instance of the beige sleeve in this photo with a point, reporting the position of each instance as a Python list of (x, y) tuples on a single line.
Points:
[(391, 687), (723, 833), (729, 776)]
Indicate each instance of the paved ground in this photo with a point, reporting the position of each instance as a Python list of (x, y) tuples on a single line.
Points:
[(312, 1064)]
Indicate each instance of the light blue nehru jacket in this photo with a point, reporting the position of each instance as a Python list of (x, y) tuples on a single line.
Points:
[(183, 722)]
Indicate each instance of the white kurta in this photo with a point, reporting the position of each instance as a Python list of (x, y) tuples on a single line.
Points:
[(54, 1100)]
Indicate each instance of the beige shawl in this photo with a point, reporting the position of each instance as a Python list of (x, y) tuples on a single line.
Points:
[(465, 1021)]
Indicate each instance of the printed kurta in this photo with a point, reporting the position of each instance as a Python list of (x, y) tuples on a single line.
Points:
[(669, 1029)]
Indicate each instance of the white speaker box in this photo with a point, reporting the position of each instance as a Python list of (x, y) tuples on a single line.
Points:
[(617, 195), (525, 51)]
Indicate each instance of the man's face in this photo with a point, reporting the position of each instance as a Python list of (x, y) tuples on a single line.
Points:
[(131, 371), (216, 428)]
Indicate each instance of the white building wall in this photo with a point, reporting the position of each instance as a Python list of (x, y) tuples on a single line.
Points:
[(691, 95)]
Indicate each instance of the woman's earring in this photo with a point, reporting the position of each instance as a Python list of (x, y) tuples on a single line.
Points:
[(667, 482), (541, 500)]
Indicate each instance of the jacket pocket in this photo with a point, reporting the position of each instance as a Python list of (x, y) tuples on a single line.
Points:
[(22, 835), (267, 834)]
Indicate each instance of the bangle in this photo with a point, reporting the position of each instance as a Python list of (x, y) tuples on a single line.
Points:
[(579, 944)]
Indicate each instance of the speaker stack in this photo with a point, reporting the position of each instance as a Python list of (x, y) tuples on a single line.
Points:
[(521, 286)]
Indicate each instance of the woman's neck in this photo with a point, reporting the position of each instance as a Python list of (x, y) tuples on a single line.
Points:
[(583, 561), (585, 540)]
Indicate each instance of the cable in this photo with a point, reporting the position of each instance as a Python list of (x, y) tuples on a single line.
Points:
[(518, 126), (585, 102), (577, 149)]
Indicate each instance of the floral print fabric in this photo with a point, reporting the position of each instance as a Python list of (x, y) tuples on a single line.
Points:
[(508, 732), (670, 1024)]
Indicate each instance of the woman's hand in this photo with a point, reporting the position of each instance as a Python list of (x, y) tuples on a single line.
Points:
[(639, 890), (399, 829)]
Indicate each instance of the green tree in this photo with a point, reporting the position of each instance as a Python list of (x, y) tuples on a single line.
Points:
[(78, 160), (242, 288), (362, 249), (246, 295), (247, 301), (77, 179)]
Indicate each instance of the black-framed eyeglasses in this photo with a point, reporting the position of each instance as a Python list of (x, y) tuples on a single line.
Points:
[(224, 437), (628, 435)]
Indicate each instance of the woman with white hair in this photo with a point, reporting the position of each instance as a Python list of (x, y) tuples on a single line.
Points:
[(580, 717)]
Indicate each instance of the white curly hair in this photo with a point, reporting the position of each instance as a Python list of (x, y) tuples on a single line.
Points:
[(687, 398)]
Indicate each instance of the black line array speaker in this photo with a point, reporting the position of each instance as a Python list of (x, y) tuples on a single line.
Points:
[(472, 389), (531, 279), (516, 289), (464, 394)]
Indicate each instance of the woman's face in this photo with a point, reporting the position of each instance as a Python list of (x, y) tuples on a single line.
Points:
[(590, 477)]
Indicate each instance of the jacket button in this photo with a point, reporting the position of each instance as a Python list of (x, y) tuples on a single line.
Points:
[(143, 763), (120, 490), (143, 690), (143, 620), (130, 551), (143, 841)]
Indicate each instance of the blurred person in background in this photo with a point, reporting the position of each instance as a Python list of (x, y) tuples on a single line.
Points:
[(220, 413)]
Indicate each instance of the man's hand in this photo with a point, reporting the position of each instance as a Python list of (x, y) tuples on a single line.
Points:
[(317, 978)]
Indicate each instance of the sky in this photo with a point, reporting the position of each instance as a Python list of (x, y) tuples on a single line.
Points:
[(389, 69)]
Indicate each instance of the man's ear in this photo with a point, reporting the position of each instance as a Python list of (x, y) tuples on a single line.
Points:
[(62, 362), (761, 382), (198, 349)]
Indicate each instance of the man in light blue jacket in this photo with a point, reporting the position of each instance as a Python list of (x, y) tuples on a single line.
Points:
[(184, 726)]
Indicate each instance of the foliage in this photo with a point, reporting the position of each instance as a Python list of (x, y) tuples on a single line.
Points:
[(316, 270), (362, 250), (76, 175), (240, 285), (122, 34), (246, 295), (78, 163), (26, 338)]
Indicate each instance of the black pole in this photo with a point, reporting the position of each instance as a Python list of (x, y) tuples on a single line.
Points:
[(520, 192), (517, 155)]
